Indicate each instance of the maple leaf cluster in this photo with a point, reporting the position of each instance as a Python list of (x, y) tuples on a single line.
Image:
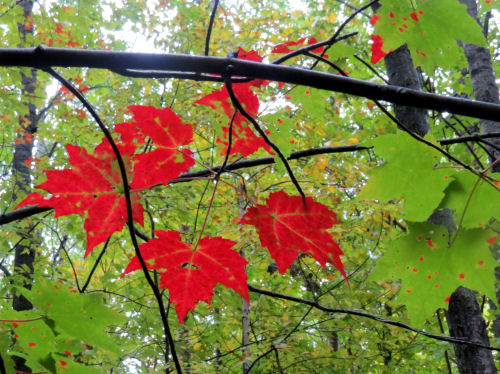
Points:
[(93, 188)]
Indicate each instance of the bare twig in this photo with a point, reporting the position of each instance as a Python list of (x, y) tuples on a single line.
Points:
[(370, 316), (237, 105), (130, 222), (87, 282), (210, 26)]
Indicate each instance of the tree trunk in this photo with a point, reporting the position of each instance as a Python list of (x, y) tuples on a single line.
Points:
[(464, 314), (465, 320), (24, 254), (483, 84), (401, 72)]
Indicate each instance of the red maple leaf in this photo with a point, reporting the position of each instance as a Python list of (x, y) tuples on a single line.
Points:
[(191, 274), (288, 225), (284, 47), (377, 52), (93, 186), (245, 142), (168, 160), (93, 189)]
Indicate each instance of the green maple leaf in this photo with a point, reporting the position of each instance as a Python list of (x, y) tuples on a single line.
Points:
[(5, 343), (431, 29), (311, 100), (430, 270), (409, 173), (81, 316), (471, 199)]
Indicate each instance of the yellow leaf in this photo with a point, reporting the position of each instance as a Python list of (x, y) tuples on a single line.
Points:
[(322, 163), (332, 18), (197, 347)]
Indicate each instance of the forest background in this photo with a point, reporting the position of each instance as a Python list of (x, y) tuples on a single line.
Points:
[(352, 249)]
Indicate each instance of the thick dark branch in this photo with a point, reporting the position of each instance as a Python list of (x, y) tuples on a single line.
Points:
[(45, 57), (21, 213), (470, 138), (186, 177), (370, 316)]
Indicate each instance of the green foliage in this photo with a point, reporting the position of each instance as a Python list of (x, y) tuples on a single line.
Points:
[(382, 197), (431, 269), (415, 178), (431, 37)]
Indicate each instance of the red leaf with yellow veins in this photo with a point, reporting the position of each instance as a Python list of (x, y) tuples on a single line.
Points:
[(93, 189), (288, 225), (191, 273), (168, 134)]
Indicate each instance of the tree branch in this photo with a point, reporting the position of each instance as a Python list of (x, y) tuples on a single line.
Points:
[(96, 263), (237, 105), (130, 222), (29, 211), (42, 57), (369, 316), (210, 26)]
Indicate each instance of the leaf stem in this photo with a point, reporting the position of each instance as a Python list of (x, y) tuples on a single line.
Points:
[(23, 320)]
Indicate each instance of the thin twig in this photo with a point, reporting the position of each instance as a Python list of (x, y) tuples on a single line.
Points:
[(130, 223), (446, 357), (349, 19), (210, 26), (9, 9), (370, 316), (352, 7), (328, 62), (229, 145), (237, 105), (282, 340), (310, 47), (276, 354), (370, 67), (87, 282), (71, 263)]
